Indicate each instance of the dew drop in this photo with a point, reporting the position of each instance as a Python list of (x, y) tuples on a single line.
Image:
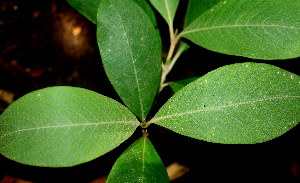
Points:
[(247, 65), (284, 74), (224, 2), (38, 94), (124, 33)]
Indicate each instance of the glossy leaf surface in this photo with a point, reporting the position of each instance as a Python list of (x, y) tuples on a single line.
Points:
[(178, 85), (255, 29), (241, 103), (140, 163), (130, 48), (167, 8), (63, 126)]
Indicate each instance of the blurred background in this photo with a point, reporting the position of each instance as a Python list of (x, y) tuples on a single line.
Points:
[(47, 43)]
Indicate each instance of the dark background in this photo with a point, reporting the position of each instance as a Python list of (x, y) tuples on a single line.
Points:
[(47, 43)]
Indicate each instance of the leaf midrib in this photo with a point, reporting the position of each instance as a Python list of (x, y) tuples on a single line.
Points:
[(144, 151), (218, 107), (232, 26), (69, 125), (168, 12), (135, 71)]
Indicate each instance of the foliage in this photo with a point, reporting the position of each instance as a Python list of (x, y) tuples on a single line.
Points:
[(243, 103)]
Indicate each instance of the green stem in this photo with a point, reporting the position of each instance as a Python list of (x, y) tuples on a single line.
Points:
[(166, 68)]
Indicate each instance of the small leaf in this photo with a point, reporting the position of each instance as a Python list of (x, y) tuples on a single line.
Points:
[(197, 8), (139, 163), (177, 85), (167, 8), (63, 126), (89, 9), (130, 48), (255, 29), (240, 103)]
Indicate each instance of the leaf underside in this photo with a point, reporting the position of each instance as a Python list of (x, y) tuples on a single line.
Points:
[(236, 104), (63, 126), (140, 163), (254, 29), (130, 48)]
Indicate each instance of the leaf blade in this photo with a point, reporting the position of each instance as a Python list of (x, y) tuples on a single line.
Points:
[(167, 9), (89, 9), (63, 126), (240, 103), (197, 8), (130, 48), (140, 163), (255, 29)]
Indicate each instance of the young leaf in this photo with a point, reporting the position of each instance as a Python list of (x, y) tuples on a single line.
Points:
[(167, 9), (139, 163), (89, 9), (177, 85), (63, 126), (197, 8), (130, 48), (235, 104), (255, 29)]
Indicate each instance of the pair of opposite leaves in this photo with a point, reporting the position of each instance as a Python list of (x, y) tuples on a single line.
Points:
[(64, 126)]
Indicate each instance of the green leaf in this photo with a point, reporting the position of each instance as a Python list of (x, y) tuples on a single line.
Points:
[(177, 85), (130, 48), (63, 126), (167, 9), (255, 29), (89, 9), (139, 163), (148, 10), (236, 104), (197, 8)]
